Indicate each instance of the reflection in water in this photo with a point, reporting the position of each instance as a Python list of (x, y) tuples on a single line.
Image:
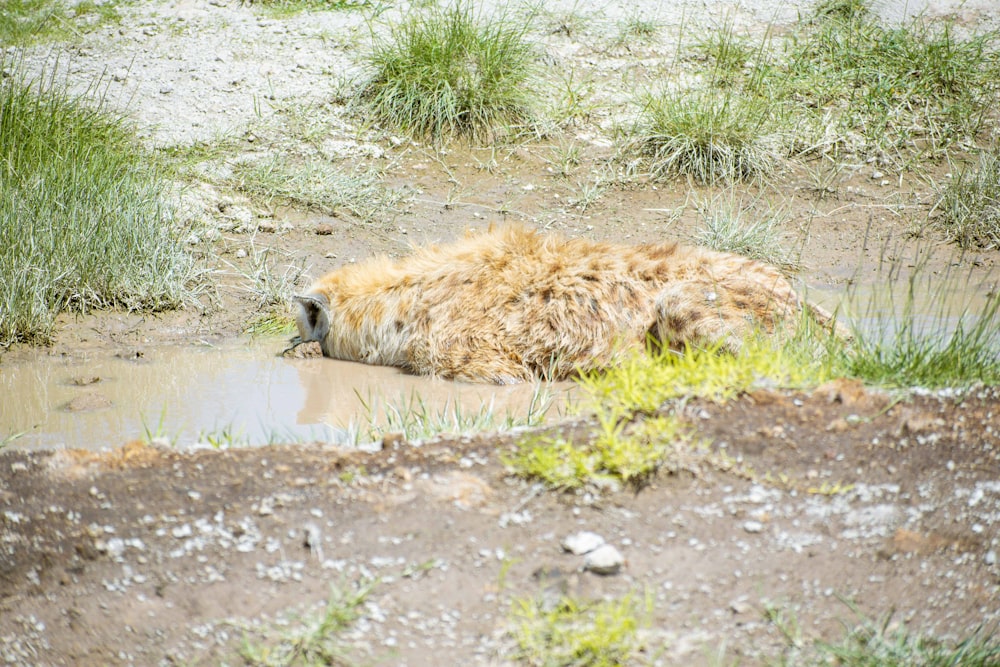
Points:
[(356, 395), (232, 394)]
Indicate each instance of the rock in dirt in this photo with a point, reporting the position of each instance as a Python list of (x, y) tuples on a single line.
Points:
[(582, 542), (605, 559)]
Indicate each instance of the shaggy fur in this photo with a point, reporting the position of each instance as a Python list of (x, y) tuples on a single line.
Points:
[(511, 304)]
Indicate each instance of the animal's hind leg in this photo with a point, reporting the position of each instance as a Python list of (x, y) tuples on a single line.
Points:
[(702, 311)]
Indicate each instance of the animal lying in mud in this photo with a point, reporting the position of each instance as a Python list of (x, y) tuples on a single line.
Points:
[(511, 304)]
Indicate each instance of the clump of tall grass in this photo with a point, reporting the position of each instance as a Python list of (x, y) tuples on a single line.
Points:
[(415, 419), (924, 328), (928, 340), (311, 639), (22, 21), (840, 83), (728, 226), (892, 89), (969, 205), (84, 216), (619, 452), (446, 72), (280, 8), (708, 134), (730, 53), (581, 632), (883, 643), (29, 21), (844, 10), (874, 644)]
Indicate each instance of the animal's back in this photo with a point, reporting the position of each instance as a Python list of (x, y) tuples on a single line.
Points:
[(541, 305), (511, 304)]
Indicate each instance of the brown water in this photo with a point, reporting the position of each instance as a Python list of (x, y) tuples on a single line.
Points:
[(244, 394), (235, 394), (933, 304)]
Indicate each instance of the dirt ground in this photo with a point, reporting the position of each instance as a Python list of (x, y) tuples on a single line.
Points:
[(142, 556), (838, 498)]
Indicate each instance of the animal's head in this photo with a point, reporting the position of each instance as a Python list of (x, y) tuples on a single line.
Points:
[(314, 317)]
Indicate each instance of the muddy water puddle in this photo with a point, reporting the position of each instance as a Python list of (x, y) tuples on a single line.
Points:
[(934, 305), (233, 394), (243, 393)]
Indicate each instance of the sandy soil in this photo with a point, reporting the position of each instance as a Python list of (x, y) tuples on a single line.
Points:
[(146, 556), (143, 556)]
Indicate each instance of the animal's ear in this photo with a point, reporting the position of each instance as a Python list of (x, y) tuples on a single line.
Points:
[(314, 316)]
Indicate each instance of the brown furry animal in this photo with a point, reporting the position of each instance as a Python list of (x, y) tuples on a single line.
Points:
[(511, 304)]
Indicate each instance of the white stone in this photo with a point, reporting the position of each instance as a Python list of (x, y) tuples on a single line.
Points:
[(582, 542), (605, 559)]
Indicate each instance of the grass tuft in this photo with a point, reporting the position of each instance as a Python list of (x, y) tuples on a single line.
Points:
[(633, 440), (84, 217), (415, 419), (271, 324), (729, 52), (840, 84), (710, 135), (280, 8), (314, 183), (935, 352), (874, 643), (580, 633), (25, 22), (619, 452), (912, 330), (637, 28), (843, 10), (447, 72), (729, 227), (263, 280), (969, 205), (316, 640), (893, 90), (645, 381)]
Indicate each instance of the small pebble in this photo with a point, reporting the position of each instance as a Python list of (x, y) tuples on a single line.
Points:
[(582, 542), (605, 559)]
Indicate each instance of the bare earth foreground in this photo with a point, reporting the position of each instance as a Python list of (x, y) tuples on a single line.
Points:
[(838, 500), (141, 556)]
